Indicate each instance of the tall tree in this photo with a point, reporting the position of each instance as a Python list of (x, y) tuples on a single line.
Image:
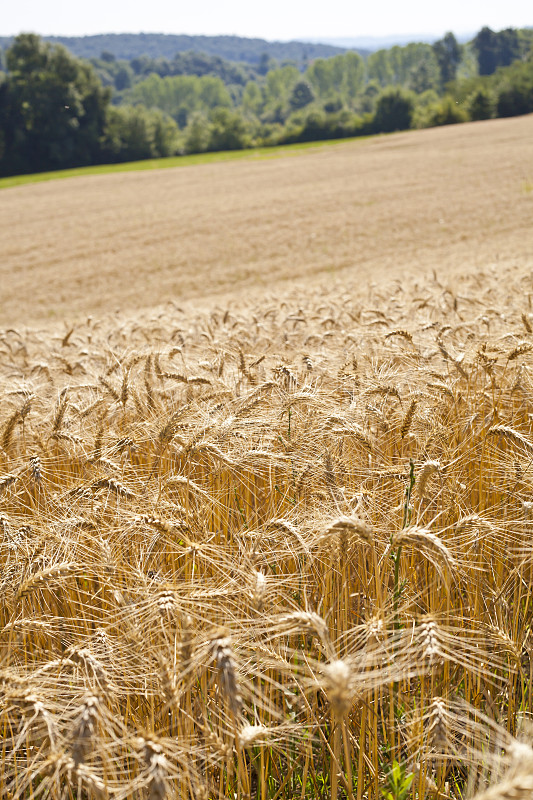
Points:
[(485, 45), (509, 47), (379, 68), (56, 108), (180, 95), (339, 77), (448, 54), (496, 49), (424, 74)]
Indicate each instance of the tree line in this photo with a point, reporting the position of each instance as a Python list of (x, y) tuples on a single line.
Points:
[(128, 46), (58, 111)]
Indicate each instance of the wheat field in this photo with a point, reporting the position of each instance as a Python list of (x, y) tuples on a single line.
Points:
[(452, 198), (275, 547)]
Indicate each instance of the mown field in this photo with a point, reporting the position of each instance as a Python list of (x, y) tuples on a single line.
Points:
[(272, 543)]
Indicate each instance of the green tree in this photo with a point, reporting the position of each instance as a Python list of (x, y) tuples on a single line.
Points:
[(301, 96), (525, 36), (395, 57), (191, 63), (164, 133), (339, 77), (509, 47), (197, 134), (279, 85), (481, 104), (496, 49), (425, 102), (319, 76), (468, 68), (314, 127), (123, 77), (414, 66), (252, 98), (394, 110), (515, 96), (56, 106), (5, 118), (448, 54), (180, 93), (446, 112), (141, 65), (424, 74), (229, 130), (266, 63), (485, 46), (379, 68), (333, 105), (134, 133), (368, 99), (353, 75)]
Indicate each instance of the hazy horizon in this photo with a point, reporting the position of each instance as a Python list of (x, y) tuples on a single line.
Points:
[(335, 40), (284, 22), (361, 41)]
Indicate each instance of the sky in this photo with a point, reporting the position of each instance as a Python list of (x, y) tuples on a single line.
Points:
[(275, 19)]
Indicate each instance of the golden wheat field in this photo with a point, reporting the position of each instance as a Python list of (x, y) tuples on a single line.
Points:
[(277, 547), (452, 198)]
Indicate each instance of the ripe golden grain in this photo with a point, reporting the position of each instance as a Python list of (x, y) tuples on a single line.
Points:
[(370, 614)]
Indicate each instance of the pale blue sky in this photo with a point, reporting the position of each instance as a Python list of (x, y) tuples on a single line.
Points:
[(273, 19)]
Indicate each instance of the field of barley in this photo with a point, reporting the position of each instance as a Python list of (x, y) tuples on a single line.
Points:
[(265, 530)]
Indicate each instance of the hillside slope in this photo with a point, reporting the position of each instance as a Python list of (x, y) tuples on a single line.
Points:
[(455, 197)]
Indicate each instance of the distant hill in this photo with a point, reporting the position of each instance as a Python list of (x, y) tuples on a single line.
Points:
[(156, 45), (372, 43)]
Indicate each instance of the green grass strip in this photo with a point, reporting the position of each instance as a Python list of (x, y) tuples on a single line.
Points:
[(174, 161)]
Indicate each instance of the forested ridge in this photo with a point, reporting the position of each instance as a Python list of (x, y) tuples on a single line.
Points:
[(59, 111), (166, 45)]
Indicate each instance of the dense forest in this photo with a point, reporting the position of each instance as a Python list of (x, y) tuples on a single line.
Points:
[(58, 111), (163, 45)]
